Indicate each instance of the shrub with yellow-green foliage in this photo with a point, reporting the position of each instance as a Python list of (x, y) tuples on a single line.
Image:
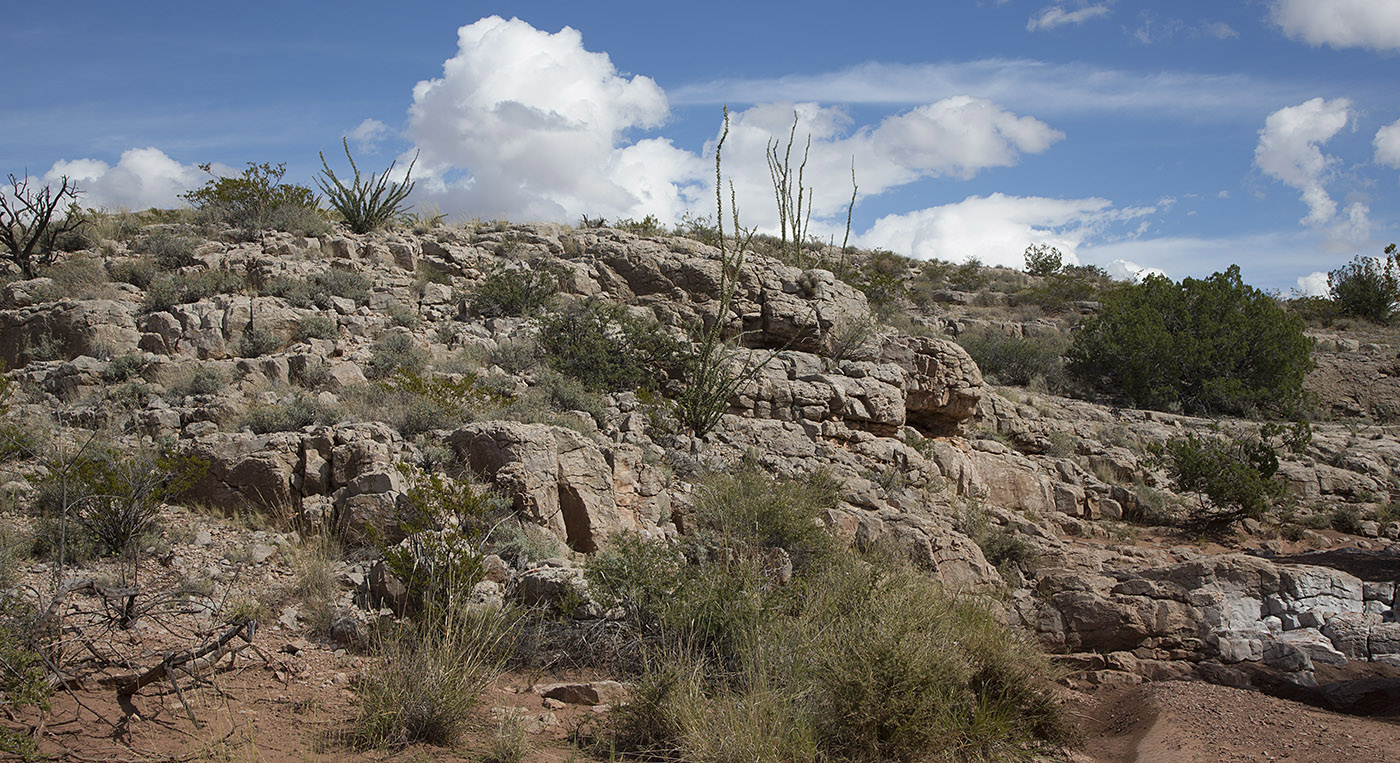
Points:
[(857, 657)]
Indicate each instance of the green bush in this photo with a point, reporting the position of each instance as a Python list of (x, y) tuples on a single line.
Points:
[(1043, 260), (858, 659), (169, 251), (204, 380), (1367, 287), (397, 353), (24, 681), (370, 204), (607, 348), (114, 498), (317, 327), (257, 200), (518, 291), (257, 342), (1234, 478), (446, 523), (402, 316), (1005, 358), (746, 510), (288, 415), (1201, 346), (170, 289)]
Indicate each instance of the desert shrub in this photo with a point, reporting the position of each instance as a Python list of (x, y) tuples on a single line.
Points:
[(647, 226), (257, 342), (1368, 287), (257, 199), (24, 681), (1007, 550), (78, 277), (137, 272), (124, 367), (515, 291), (402, 316), (1346, 519), (288, 414), (429, 678), (1212, 345), (446, 523), (969, 276), (433, 402), (1016, 360), (858, 659), (170, 289), (112, 497), (169, 250), (204, 380), (319, 289), (607, 348), (747, 510), (394, 353), (370, 204), (316, 327), (335, 282), (1043, 260), (1233, 477), (515, 356)]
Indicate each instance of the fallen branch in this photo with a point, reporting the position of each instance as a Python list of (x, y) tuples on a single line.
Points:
[(129, 685)]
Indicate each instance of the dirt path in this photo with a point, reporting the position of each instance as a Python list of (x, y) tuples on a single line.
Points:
[(1181, 721)]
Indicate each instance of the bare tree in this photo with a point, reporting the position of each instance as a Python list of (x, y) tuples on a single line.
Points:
[(28, 229)]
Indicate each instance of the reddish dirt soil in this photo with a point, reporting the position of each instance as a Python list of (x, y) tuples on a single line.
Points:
[(1186, 721)]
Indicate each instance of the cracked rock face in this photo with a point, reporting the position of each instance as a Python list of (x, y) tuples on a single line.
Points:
[(1232, 608)]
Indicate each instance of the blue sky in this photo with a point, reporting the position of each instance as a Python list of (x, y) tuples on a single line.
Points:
[(1178, 136)]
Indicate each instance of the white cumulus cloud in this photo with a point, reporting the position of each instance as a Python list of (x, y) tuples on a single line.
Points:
[(525, 123), (367, 135), (995, 229), (142, 177), (1388, 145), (1057, 15), (1314, 285), (1127, 270), (1373, 24), (1289, 151)]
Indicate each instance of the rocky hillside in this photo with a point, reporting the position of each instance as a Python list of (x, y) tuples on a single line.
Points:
[(316, 380)]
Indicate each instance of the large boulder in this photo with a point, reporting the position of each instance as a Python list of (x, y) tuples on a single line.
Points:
[(67, 330), (555, 477)]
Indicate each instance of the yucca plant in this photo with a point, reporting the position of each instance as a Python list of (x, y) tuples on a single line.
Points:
[(370, 204)]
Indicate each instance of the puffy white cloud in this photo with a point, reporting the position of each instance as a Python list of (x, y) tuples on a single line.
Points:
[(1289, 150), (1127, 270), (524, 123), (1053, 16), (1314, 285), (367, 135), (995, 229), (1388, 145), (1373, 24), (142, 177)]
